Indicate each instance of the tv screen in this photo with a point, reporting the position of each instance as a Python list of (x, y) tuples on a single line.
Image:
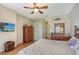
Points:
[(7, 27)]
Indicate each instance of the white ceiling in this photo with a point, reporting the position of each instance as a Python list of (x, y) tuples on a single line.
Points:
[(54, 9)]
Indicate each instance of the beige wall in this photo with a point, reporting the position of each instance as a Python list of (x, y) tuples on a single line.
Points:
[(64, 19), (37, 30), (74, 17), (9, 16), (21, 21)]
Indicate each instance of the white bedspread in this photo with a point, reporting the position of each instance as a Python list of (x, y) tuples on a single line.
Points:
[(47, 47)]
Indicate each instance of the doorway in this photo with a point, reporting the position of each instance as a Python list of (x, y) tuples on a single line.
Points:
[(46, 29)]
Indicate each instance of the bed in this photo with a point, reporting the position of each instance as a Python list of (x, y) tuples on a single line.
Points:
[(47, 47)]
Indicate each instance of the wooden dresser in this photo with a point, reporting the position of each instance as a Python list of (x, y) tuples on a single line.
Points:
[(60, 37), (27, 34)]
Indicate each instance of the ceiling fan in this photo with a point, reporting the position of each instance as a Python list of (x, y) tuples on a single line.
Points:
[(36, 8)]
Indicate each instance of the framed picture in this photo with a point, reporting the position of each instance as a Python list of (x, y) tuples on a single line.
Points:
[(7, 27)]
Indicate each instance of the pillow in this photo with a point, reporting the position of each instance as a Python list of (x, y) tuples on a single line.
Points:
[(72, 43)]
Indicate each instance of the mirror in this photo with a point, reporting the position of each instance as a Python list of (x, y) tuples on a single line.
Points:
[(59, 28)]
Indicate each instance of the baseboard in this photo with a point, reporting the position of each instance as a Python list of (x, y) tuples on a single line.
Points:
[(19, 44)]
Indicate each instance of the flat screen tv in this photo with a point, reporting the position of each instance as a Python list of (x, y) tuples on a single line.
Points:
[(7, 27)]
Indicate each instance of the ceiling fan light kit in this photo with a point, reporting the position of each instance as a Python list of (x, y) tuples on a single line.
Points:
[(35, 10)]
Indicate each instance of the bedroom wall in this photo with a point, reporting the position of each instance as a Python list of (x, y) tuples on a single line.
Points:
[(37, 30), (74, 17), (21, 21), (64, 19), (8, 16)]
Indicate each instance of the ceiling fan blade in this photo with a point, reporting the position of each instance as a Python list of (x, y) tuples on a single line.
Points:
[(40, 11), (32, 12), (28, 7), (43, 7)]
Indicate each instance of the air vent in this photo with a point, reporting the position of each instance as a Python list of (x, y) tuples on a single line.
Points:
[(57, 19)]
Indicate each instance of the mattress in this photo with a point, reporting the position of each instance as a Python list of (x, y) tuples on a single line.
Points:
[(47, 47)]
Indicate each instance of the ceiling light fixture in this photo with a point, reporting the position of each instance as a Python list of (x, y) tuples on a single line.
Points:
[(35, 10)]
